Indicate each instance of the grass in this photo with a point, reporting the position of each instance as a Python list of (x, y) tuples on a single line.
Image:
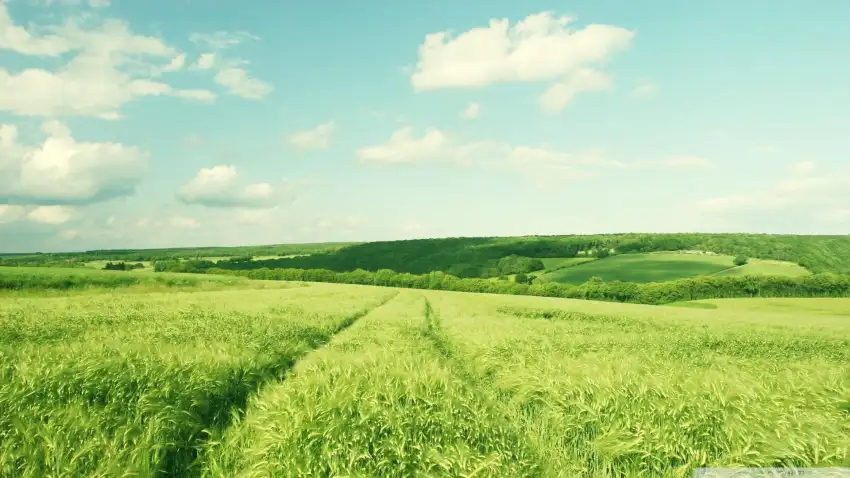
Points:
[(762, 267), (53, 280), (654, 267), (343, 380), (134, 385), (552, 263)]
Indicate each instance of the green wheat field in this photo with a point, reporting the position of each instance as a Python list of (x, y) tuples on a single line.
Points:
[(255, 379)]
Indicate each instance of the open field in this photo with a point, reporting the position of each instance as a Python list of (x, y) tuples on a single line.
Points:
[(43, 280), (237, 383), (762, 267), (663, 266), (559, 262), (653, 267)]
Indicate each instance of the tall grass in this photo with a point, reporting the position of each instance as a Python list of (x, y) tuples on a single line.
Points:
[(133, 387), (619, 395), (345, 380), (380, 400)]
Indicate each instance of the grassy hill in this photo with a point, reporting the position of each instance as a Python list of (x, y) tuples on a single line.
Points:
[(653, 267), (664, 266), (478, 257), (345, 380)]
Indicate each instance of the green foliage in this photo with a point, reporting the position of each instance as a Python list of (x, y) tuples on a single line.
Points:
[(602, 253), (30, 279), (641, 267), (122, 266), (240, 253), (521, 278), (341, 380), (741, 260), (479, 257), (97, 387), (702, 287)]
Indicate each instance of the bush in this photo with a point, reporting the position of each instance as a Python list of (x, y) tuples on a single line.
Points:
[(741, 260), (602, 253)]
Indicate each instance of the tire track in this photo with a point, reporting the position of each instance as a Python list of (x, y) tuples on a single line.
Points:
[(455, 362), (237, 406)]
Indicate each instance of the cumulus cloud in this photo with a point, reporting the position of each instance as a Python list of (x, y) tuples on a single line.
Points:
[(802, 168), (471, 111), (221, 40), (541, 47), (63, 171), (218, 187), (645, 89), (559, 95), (110, 66), (239, 82), (231, 73), (800, 202), (183, 222), (316, 138), (405, 146), (51, 214)]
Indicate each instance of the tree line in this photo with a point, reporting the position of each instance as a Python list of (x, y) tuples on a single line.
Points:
[(655, 293), (480, 257)]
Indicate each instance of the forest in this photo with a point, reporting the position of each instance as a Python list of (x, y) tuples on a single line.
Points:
[(481, 257)]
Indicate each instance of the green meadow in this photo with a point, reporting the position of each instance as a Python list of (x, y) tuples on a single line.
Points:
[(665, 266), (240, 378)]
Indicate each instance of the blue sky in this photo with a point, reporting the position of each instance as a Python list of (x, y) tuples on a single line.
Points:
[(186, 122)]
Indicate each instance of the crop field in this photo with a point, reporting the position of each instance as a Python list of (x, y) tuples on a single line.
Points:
[(344, 380), (656, 267), (760, 267)]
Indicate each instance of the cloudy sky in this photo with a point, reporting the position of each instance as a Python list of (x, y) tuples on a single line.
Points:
[(127, 124)]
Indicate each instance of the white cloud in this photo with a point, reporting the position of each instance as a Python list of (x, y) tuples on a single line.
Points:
[(176, 64), (404, 147), (51, 214), (99, 3), (217, 187), (231, 73), (559, 95), (807, 202), (316, 138), (184, 222), (239, 83), (802, 168), (471, 111), (63, 170), (205, 61), (541, 47), (10, 213), (204, 96), (110, 67), (645, 89), (69, 234), (538, 162), (221, 40)]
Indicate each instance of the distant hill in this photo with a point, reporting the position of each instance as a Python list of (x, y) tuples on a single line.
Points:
[(479, 257)]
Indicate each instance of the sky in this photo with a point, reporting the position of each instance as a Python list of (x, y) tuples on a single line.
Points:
[(168, 123)]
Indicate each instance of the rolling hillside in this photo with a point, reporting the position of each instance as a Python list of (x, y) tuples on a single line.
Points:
[(477, 257)]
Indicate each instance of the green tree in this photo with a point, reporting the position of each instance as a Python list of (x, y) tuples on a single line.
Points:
[(521, 278), (741, 260), (602, 253)]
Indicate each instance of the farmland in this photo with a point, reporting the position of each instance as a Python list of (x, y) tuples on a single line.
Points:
[(331, 379), (666, 266)]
